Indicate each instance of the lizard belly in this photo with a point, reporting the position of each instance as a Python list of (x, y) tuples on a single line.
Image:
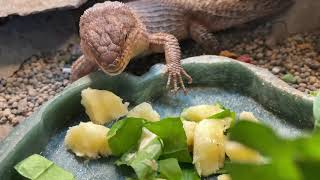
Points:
[(158, 17)]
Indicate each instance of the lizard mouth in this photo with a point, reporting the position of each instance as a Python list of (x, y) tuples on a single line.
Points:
[(115, 68)]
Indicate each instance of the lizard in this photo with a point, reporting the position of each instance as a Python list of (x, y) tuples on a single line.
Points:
[(112, 33)]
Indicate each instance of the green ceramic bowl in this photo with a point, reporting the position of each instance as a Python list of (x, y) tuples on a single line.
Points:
[(239, 86)]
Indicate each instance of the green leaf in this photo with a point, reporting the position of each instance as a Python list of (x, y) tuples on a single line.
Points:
[(225, 114), (314, 93), (220, 105), (189, 174), (260, 138), (240, 171), (33, 166), (308, 147), (316, 112), (309, 169), (170, 169), (143, 160), (221, 115), (55, 173), (171, 131), (289, 78), (145, 163), (289, 159), (124, 134), (36, 167)]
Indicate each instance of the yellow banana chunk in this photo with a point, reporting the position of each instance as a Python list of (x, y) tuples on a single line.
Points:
[(88, 140), (208, 147), (240, 153), (224, 177), (102, 106), (200, 112), (144, 110), (248, 116), (189, 128)]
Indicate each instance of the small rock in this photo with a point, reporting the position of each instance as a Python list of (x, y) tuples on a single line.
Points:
[(276, 70), (259, 55), (228, 54), (303, 85), (3, 120), (245, 58), (298, 38), (14, 104), (269, 53), (3, 105), (312, 64), (302, 89), (6, 112), (304, 46), (313, 79), (32, 92), (22, 105)]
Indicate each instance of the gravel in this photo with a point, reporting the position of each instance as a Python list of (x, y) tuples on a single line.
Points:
[(297, 55), (37, 80), (42, 77)]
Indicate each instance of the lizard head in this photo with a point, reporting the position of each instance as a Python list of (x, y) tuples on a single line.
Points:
[(111, 35)]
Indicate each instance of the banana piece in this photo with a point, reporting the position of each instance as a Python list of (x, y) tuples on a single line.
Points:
[(208, 148), (145, 111), (102, 106), (88, 140)]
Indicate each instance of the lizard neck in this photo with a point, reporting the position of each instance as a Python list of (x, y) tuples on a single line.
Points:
[(159, 17)]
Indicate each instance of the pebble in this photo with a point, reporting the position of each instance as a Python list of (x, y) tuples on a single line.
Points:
[(6, 112), (276, 70)]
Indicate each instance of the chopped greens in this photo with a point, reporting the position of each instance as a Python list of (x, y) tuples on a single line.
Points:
[(226, 113), (314, 93), (143, 159), (223, 114), (170, 169), (189, 174), (36, 167), (124, 134), (289, 78), (171, 131)]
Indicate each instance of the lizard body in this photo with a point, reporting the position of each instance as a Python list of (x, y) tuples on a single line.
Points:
[(112, 33)]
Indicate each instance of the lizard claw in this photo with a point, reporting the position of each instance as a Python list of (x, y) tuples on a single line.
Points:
[(175, 76)]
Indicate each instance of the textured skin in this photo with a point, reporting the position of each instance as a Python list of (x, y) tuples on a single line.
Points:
[(112, 33)]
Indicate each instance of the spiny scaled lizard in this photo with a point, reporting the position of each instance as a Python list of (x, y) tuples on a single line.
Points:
[(112, 33)]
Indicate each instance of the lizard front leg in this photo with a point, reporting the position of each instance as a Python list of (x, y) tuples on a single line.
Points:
[(82, 67), (171, 47), (202, 36)]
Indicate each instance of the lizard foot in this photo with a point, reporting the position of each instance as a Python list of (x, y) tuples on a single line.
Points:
[(82, 67), (175, 76)]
